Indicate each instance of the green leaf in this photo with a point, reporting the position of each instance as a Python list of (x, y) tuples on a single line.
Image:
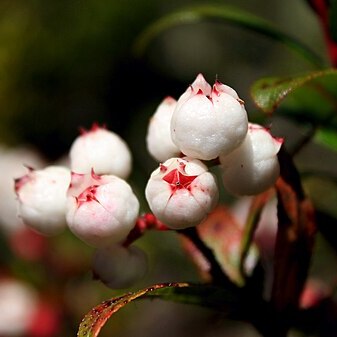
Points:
[(227, 301), (225, 14), (314, 103), (327, 137), (268, 93)]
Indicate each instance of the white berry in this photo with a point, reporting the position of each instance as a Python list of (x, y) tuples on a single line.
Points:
[(181, 192), (208, 121), (101, 209), (118, 266), (158, 140), (18, 303), (13, 164), (42, 198), (253, 167), (101, 150)]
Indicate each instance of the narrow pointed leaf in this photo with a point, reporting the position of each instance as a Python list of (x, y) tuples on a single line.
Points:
[(327, 137), (268, 93), (226, 300), (229, 15), (218, 298), (93, 322)]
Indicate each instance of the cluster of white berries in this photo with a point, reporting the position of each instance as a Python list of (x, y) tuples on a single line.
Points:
[(93, 199), (206, 123)]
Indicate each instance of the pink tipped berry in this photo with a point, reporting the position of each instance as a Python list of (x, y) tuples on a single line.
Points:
[(18, 303), (181, 192), (158, 139), (42, 198), (253, 167), (102, 150), (100, 209), (13, 164), (118, 266), (208, 121)]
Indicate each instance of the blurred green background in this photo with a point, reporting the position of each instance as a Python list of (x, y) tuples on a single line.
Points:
[(65, 64)]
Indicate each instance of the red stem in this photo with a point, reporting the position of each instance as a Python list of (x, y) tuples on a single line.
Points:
[(145, 222), (322, 10)]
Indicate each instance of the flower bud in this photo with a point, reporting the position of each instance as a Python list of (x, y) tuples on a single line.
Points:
[(100, 209), (253, 167), (18, 303), (181, 192), (158, 139), (208, 121), (118, 266), (13, 164), (42, 198), (102, 150)]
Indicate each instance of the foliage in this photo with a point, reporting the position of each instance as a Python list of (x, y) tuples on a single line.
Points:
[(296, 227)]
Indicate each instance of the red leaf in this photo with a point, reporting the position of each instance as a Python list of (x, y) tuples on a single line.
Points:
[(93, 321), (295, 239)]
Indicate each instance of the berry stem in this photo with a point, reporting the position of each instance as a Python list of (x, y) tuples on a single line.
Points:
[(321, 7), (218, 276), (144, 222)]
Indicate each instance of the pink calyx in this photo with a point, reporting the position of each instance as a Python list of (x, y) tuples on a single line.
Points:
[(82, 179), (163, 168), (95, 127), (19, 182), (278, 141), (178, 180), (94, 175), (215, 90), (169, 100), (87, 195), (200, 92)]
